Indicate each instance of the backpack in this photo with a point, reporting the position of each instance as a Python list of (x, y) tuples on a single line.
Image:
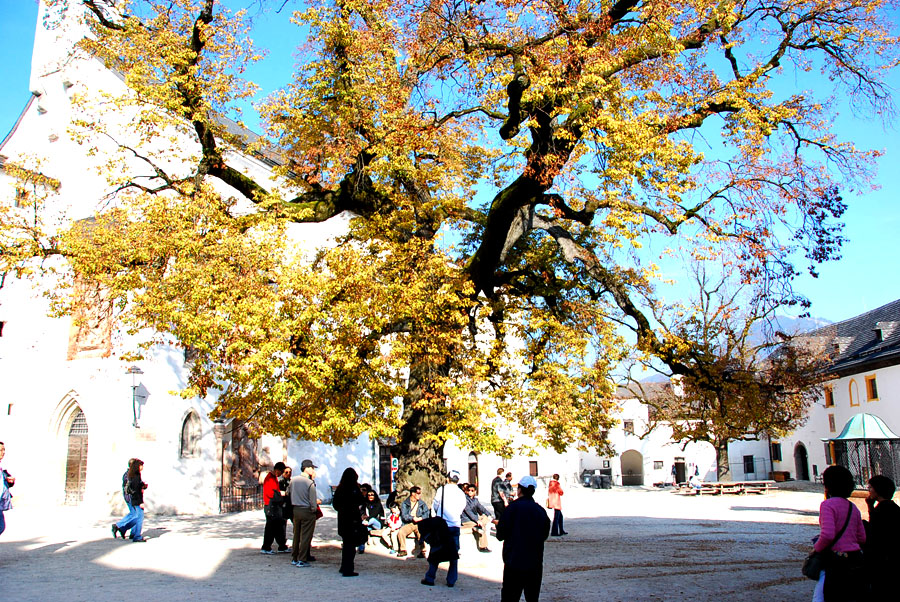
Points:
[(126, 487)]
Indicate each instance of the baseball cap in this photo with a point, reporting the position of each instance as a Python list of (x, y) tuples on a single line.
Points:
[(527, 481), (453, 475), (307, 464)]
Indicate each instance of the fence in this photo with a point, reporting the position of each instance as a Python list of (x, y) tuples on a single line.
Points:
[(757, 470), (866, 458), (235, 498)]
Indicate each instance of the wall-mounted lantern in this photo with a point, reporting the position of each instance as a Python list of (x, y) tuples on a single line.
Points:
[(134, 371)]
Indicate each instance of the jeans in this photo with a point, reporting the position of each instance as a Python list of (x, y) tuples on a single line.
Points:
[(137, 524), (2, 523), (452, 572), (557, 528), (127, 520)]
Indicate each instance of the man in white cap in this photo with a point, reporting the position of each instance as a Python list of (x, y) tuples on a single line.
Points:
[(523, 528), (449, 503)]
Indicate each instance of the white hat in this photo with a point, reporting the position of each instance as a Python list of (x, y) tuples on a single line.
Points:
[(527, 481)]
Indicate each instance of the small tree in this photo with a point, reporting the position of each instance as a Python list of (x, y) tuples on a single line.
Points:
[(751, 381)]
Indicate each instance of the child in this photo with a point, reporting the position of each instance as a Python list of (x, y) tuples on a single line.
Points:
[(391, 530)]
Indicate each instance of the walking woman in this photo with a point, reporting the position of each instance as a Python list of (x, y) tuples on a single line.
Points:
[(841, 533), (347, 501), (135, 488), (128, 519), (554, 501)]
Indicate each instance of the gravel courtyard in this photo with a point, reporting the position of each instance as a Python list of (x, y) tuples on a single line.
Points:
[(623, 544)]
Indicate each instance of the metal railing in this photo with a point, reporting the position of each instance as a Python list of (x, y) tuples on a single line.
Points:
[(236, 498)]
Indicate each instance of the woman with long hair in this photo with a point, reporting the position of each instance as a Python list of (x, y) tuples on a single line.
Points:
[(347, 501), (121, 527), (841, 534), (135, 488)]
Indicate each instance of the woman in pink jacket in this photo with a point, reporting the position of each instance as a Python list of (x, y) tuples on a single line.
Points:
[(554, 500), (841, 579)]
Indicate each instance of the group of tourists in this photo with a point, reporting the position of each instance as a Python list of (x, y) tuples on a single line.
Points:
[(520, 522), (857, 557)]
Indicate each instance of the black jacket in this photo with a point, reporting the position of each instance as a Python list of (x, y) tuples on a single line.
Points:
[(523, 528), (373, 509), (347, 502), (136, 488)]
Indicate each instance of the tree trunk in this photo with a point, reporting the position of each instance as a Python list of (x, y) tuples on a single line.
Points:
[(723, 469), (420, 460)]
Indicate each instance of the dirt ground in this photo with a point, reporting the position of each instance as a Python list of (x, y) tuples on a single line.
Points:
[(623, 544)]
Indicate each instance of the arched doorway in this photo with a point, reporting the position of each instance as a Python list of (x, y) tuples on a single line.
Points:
[(473, 469), (801, 462), (76, 458), (632, 468)]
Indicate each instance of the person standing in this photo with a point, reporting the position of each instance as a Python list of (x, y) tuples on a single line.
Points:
[(508, 489), (128, 518), (305, 503), (284, 484), (479, 518), (882, 535), (135, 488), (273, 504), (554, 501), (347, 501), (498, 494), (6, 481), (841, 531), (523, 528), (449, 504)]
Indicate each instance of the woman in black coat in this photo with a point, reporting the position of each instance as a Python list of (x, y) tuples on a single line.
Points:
[(347, 501)]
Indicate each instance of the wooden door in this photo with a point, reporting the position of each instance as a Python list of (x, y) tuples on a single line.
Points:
[(76, 459)]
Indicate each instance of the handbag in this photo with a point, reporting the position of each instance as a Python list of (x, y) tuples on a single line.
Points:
[(816, 562)]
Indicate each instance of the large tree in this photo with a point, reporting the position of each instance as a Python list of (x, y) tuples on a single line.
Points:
[(505, 164)]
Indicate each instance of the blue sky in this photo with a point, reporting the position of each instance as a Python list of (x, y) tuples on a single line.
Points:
[(866, 277)]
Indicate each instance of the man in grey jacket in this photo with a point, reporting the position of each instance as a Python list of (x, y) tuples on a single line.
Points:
[(306, 504)]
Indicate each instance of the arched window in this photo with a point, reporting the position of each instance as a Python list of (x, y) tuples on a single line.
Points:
[(190, 436)]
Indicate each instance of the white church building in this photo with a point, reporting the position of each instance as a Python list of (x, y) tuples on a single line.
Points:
[(72, 412)]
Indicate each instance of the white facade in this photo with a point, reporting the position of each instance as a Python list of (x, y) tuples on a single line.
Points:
[(867, 380), (638, 459), (67, 408)]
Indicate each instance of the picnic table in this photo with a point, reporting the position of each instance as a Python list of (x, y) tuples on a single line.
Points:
[(736, 487)]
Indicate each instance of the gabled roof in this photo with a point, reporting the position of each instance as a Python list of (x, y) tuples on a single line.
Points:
[(868, 340)]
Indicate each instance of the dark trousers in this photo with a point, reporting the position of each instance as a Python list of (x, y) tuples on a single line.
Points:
[(499, 507), (843, 575), (517, 581), (557, 528), (348, 552), (274, 532)]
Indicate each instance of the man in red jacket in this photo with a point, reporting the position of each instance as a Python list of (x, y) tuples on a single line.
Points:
[(273, 502)]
